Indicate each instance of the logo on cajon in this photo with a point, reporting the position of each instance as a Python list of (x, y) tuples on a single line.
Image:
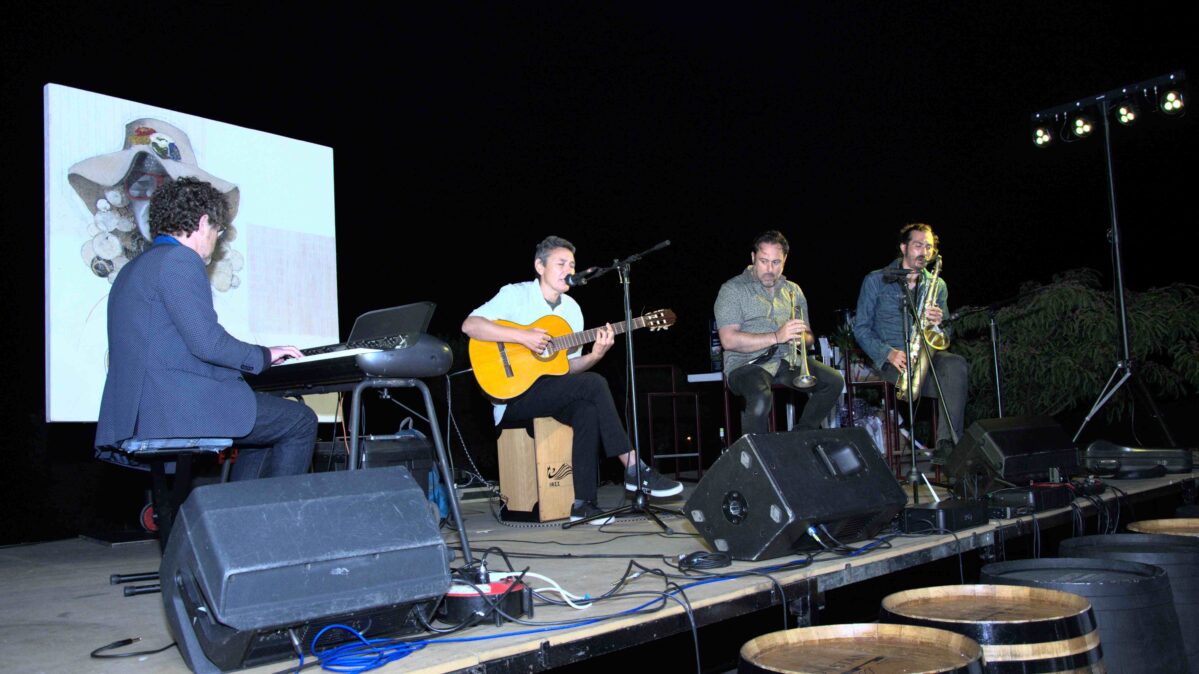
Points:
[(555, 475)]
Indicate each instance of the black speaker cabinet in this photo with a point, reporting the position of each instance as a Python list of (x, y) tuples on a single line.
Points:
[(1014, 449), (759, 499), (252, 565)]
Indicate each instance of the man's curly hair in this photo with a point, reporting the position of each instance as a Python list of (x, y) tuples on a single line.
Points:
[(176, 207)]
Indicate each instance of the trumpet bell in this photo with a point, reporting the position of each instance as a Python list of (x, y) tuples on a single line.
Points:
[(804, 381)]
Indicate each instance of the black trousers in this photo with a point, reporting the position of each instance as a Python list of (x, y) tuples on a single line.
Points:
[(583, 402), (753, 383)]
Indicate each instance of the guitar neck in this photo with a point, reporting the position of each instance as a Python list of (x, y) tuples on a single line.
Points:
[(577, 339)]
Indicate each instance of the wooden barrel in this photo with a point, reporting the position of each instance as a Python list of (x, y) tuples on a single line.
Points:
[(1133, 604), (1175, 526), (878, 648), (1178, 555), (1021, 629)]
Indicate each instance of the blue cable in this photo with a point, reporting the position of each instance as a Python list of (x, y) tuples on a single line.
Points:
[(351, 658)]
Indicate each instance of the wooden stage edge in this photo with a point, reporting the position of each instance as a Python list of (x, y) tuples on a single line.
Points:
[(56, 604)]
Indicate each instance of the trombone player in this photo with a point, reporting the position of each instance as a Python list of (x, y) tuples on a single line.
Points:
[(762, 320), (879, 326)]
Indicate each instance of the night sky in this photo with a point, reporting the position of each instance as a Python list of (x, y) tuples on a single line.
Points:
[(463, 134)]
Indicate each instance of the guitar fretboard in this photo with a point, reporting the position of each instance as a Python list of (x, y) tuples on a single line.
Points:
[(577, 339)]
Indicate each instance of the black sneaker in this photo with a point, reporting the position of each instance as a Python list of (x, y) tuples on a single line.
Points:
[(581, 510), (658, 485)]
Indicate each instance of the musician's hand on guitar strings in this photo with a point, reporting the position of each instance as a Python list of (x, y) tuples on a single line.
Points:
[(282, 353), (536, 340), (604, 339)]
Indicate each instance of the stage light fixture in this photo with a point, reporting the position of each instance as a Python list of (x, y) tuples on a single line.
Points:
[(1081, 125), (1045, 129), (1166, 92), (1126, 112), (1170, 102)]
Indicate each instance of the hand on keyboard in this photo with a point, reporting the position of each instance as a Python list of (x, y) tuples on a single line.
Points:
[(281, 353)]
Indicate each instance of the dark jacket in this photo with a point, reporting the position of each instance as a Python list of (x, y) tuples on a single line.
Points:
[(878, 322), (173, 371)]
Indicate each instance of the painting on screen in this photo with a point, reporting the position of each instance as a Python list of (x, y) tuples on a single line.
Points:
[(273, 276)]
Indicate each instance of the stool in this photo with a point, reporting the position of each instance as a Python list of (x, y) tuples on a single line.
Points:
[(157, 453), (771, 424), (891, 434), (890, 418), (536, 472)]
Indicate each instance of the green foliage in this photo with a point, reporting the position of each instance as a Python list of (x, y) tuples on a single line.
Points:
[(1060, 343)]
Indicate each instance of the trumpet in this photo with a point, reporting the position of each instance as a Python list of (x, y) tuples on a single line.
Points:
[(805, 379)]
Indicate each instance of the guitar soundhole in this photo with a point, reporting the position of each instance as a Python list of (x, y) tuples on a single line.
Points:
[(548, 354)]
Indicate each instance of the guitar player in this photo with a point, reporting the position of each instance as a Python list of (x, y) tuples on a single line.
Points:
[(580, 399)]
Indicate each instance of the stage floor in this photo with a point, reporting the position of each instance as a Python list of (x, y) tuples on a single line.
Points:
[(56, 604)]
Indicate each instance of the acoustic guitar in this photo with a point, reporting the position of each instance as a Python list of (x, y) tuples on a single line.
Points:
[(505, 370)]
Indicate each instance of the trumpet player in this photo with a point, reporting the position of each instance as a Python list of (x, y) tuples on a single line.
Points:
[(762, 320), (879, 327)]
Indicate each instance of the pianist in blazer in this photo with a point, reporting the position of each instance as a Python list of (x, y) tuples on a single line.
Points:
[(174, 372)]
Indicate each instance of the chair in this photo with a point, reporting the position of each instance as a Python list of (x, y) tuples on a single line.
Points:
[(667, 392), (536, 480)]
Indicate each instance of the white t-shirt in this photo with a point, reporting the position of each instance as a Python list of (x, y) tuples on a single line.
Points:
[(523, 303)]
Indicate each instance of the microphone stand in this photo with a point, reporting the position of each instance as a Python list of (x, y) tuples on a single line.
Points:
[(914, 471), (992, 312), (940, 395), (640, 504), (996, 339)]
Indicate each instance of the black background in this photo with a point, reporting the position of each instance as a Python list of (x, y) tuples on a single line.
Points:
[(464, 133)]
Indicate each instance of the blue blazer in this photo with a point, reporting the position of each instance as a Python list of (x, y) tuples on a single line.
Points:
[(173, 371)]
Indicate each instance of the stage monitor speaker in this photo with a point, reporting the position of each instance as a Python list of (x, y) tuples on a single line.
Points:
[(1012, 449), (254, 567), (759, 499)]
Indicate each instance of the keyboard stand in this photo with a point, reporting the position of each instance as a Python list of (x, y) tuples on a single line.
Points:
[(356, 389)]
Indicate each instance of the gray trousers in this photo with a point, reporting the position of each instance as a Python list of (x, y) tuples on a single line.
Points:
[(954, 373)]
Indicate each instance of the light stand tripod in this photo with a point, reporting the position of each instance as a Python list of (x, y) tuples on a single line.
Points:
[(1125, 369), (640, 504)]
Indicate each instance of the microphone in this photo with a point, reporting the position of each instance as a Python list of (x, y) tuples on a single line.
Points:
[(896, 275), (581, 278)]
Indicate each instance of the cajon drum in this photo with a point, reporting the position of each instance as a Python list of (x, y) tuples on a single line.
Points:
[(536, 474)]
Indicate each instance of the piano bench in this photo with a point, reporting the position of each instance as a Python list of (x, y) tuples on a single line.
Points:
[(157, 453), (535, 472)]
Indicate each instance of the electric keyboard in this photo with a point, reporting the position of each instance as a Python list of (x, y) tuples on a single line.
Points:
[(377, 344), (419, 355)]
